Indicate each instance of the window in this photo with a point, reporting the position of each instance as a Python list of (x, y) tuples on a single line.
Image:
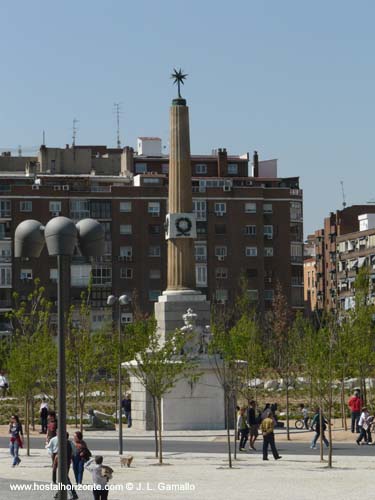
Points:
[(5, 276), (200, 209), (296, 252), (26, 206), (154, 251), (126, 252), (26, 274), (221, 295), (221, 273), (268, 251), (268, 295), (125, 206), (5, 230), (251, 251), (220, 251), (250, 208), (125, 229), (201, 274), (232, 169), (201, 227), (220, 229), (140, 168), (4, 208), (126, 273), (55, 206), (80, 275), (201, 168), (101, 209), (53, 276), (154, 229), (79, 209), (253, 295), (102, 275), (250, 230), (153, 295), (220, 208), (165, 168), (251, 273), (5, 251), (126, 318), (154, 274), (200, 250), (267, 208), (268, 231), (295, 211), (154, 208)]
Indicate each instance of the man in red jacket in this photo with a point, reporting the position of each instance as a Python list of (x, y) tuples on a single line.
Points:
[(355, 404)]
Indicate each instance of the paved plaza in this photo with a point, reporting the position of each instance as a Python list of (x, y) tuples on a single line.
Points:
[(206, 475)]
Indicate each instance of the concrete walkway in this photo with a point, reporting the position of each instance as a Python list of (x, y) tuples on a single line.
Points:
[(188, 476)]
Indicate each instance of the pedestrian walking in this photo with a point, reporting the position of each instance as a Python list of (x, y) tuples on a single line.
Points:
[(43, 413), (243, 429), (355, 404), (81, 455), (53, 450), (15, 438), (305, 415), (364, 424), (267, 427), (253, 422), (315, 425), (4, 384), (101, 474), (127, 408)]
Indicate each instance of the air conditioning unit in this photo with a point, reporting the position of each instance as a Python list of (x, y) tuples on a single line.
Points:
[(35, 186), (227, 187), (57, 188), (65, 187), (220, 257), (55, 214), (219, 214), (268, 280)]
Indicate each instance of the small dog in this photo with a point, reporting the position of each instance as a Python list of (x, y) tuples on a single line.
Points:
[(126, 461)]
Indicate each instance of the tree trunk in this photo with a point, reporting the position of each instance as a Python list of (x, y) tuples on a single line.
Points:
[(155, 427), (160, 432), (330, 429), (32, 413), (81, 408), (227, 411), (27, 418), (287, 410), (321, 433), (235, 429), (343, 406)]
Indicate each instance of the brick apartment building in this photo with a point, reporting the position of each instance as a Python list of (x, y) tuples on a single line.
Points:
[(337, 227), (249, 224)]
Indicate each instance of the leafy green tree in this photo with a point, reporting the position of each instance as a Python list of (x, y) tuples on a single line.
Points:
[(31, 321), (159, 364)]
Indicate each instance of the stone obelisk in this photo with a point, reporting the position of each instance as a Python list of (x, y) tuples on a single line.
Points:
[(184, 407), (180, 250)]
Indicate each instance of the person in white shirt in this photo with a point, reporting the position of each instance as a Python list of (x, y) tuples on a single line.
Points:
[(305, 415), (4, 384), (99, 478), (363, 424)]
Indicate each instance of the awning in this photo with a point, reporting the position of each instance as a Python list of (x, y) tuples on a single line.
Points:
[(361, 261)]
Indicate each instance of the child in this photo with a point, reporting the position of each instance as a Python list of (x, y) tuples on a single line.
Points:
[(101, 474)]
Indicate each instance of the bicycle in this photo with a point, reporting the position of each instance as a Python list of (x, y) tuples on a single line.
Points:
[(300, 424)]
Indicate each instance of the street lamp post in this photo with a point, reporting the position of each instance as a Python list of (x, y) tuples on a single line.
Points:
[(116, 303), (61, 235)]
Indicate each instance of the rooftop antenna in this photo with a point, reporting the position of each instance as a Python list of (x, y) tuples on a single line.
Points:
[(75, 129), (44, 138), (117, 106), (19, 150), (343, 194)]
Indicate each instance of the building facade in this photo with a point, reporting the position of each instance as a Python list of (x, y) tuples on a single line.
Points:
[(248, 223)]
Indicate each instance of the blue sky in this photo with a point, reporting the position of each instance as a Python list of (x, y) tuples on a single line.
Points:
[(293, 79)]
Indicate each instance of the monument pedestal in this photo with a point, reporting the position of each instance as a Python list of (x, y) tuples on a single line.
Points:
[(188, 406)]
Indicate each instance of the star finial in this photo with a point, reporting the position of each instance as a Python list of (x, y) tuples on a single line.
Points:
[(178, 76)]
